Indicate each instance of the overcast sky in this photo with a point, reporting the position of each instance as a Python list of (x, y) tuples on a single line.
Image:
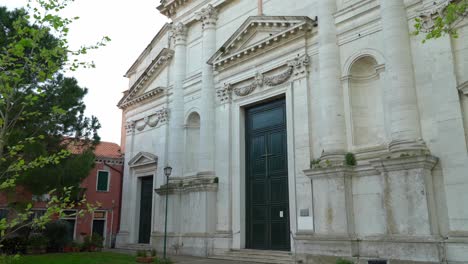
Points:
[(131, 25)]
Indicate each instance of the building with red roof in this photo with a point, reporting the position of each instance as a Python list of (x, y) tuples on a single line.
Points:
[(102, 187)]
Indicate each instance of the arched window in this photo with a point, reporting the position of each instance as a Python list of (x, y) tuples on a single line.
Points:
[(366, 103), (192, 143)]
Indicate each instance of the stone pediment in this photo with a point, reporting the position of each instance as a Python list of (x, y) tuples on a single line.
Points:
[(259, 34), (142, 159), (140, 91), (464, 88)]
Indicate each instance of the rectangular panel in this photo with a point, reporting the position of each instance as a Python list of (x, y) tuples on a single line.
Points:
[(258, 192), (259, 214), (259, 235), (278, 190), (279, 235), (267, 119)]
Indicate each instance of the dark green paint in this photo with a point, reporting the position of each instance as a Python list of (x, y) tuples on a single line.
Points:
[(267, 177), (145, 210)]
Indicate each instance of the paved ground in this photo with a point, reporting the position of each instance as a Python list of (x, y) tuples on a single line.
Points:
[(187, 260)]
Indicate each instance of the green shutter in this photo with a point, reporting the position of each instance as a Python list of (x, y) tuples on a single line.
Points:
[(103, 179)]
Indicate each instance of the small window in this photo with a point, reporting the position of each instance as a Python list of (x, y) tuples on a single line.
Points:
[(103, 181)]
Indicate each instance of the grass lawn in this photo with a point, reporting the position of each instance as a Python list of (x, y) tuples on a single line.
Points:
[(79, 258)]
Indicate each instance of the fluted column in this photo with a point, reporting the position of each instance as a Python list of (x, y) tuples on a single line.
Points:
[(404, 114), (208, 16), (332, 122), (176, 123)]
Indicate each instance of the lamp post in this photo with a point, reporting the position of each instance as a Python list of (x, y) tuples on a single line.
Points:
[(167, 172)]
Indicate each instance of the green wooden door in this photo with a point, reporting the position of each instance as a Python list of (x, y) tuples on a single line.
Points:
[(267, 177), (146, 203)]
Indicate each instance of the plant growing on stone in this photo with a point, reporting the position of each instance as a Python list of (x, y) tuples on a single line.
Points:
[(344, 261), (443, 22), (315, 163), (350, 159)]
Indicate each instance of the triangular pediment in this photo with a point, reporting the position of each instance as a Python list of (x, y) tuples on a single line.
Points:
[(142, 159), (258, 33), (145, 88)]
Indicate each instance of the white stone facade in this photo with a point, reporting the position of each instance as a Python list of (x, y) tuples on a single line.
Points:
[(355, 81)]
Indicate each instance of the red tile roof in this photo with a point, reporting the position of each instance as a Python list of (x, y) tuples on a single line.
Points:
[(107, 150), (102, 150)]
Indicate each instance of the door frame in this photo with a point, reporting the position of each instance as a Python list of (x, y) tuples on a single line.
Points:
[(239, 226), (104, 237), (134, 223)]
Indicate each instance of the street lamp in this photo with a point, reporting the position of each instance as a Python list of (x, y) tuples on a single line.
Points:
[(167, 172)]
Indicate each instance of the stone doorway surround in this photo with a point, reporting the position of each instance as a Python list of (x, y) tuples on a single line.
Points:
[(143, 164)]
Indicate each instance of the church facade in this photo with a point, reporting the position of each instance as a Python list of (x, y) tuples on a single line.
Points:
[(321, 127)]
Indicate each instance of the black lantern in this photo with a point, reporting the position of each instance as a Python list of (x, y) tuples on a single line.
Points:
[(167, 171)]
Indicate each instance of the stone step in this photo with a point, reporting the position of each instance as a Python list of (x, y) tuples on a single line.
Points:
[(135, 247), (257, 256)]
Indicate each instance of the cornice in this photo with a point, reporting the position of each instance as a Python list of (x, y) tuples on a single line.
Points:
[(113, 161), (463, 88), (144, 97), (189, 184), (154, 68), (170, 7), (148, 48), (291, 27)]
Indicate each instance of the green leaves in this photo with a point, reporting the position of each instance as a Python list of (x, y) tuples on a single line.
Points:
[(442, 23)]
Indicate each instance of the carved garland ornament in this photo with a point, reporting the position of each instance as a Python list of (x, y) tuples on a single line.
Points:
[(295, 67), (153, 120)]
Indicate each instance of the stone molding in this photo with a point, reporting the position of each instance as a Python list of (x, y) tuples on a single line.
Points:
[(143, 159), (154, 68), (169, 7), (179, 33), (386, 164), (189, 184), (142, 98), (233, 51), (430, 12), (114, 161), (296, 67), (375, 166), (463, 88), (208, 16)]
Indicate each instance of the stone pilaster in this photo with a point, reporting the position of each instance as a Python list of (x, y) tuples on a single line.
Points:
[(405, 129), (208, 16), (176, 123), (332, 122), (123, 237)]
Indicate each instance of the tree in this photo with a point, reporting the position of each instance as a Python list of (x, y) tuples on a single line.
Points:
[(442, 19), (36, 104)]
